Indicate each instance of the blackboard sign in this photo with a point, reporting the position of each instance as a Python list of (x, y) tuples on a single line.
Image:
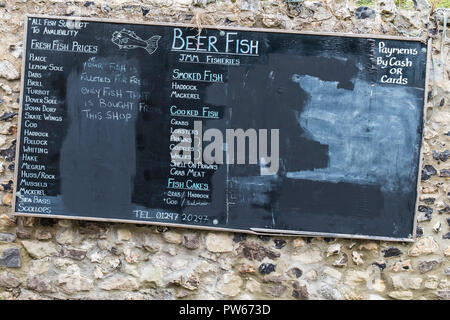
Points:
[(220, 128)]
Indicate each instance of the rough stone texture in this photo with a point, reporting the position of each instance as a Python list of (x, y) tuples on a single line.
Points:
[(39, 283), (402, 266), (364, 13), (39, 250), (73, 253), (191, 241), (74, 282), (308, 256), (8, 71), (119, 282), (9, 280), (254, 251), (152, 274), (7, 237), (62, 259), (230, 285), (10, 258), (426, 266), (220, 242), (423, 246), (391, 252), (334, 249), (173, 237), (401, 295), (123, 234)]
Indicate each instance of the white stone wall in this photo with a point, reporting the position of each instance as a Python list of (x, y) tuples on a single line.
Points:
[(45, 258)]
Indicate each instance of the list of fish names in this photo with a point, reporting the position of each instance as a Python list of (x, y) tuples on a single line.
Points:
[(42, 108), (115, 92), (189, 178), (39, 106)]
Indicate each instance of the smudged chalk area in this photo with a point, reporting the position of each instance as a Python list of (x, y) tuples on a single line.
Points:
[(348, 145)]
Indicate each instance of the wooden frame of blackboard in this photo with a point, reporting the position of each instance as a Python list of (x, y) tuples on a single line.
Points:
[(255, 231)]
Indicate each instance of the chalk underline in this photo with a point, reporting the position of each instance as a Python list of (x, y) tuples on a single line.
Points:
[(212, 52)]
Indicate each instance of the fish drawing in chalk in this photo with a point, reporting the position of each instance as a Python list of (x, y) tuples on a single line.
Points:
[(127, 39)]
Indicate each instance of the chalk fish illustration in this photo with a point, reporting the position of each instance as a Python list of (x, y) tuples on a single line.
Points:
[(127, 39)]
